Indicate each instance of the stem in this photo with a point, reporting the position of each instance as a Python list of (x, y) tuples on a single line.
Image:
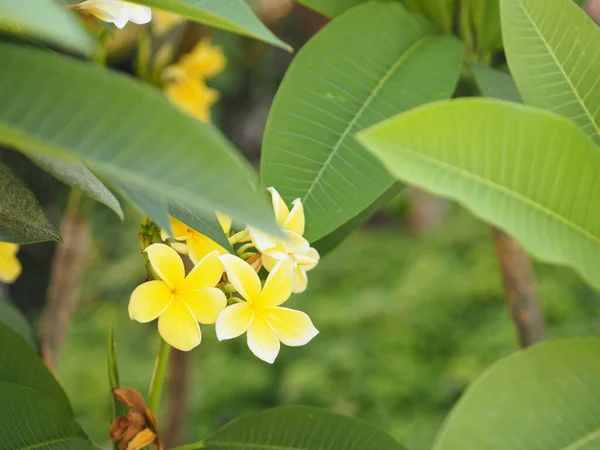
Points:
[(175, 422), (519, 285), (158, 376), (238, 237)]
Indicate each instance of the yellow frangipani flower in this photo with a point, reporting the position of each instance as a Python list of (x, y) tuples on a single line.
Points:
[(118, 12), (294, 247), (195, 244), (267, 324), (204, 61), (178, 301), (10, 267), (192, 96)]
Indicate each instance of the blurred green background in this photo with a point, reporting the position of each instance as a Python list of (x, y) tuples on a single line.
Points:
[(407, 319)]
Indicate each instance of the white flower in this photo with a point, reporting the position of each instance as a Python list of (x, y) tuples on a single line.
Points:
[(118, 12)]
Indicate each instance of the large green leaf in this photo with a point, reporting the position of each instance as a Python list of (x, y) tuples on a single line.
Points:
[(21, 217), (230, 15), (46, 20), (124, 131), (12, 317), (494, 83), (528, 172), (77, 175), (542, 398), (20, 365), (370, 63), (299, 428), (442, 12), (30, 420), (553, 52), (331, 8)]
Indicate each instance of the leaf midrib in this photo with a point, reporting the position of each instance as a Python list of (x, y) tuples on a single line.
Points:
[(512, 193), (254, 446), (54, 441), (560, 67), (583, 440), (401, 60)]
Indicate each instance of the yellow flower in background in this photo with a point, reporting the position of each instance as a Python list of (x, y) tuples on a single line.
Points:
[(164, 21), (118, 12), (10, 267), (193, 243), (192, 96), (267, 324), (294, 247), (204, 61), (179, 302)]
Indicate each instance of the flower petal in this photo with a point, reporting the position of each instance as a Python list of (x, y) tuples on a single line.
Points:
[(295, 244), (270, 259), (181, 231), (205, 303), (293, 328), (295, 220), (178, 327), (10, 267), (149, 300), (166, 263), (199, 246), (279, 207), (225, 222), (106, 10), (138, 13), (262, 241), (262, 340), (207, 273), (242, 276), (234, 321), (141, 440), (309, 259), (300, 280), (278, 286)]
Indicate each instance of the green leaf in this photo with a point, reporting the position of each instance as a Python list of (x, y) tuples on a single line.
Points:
[(528, 172), (485, 18), (555, 70), (231, 15), (46, 20), (494, 83), (12, 317), (204, 223), (331, 8), (113, 373), (125, 132), (21, 217), (542, 398), (20, 365), (299, 428), (370, 63), (332, 240), (442, 12), (77, 175), (31, 420)]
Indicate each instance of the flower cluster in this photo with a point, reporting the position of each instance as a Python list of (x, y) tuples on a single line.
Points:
[(226, 289), (185, 81), (118, 12), (10, 267)]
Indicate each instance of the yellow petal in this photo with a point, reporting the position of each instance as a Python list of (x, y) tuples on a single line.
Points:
[(295, 220), (225, 222), (300, 280), (294, 243), (262, 241), (180, 230), (141, 440), (205, 303), (278, 286), (199, 246), (308, 260), (281, 210), (270, 259), (10, 267), (106, 10), (149, 300), (242, 276), (293, 328), (204, 61), (234, 321), (166, 263), (207, 273), (178, 327), (192, 96), (262, 340)]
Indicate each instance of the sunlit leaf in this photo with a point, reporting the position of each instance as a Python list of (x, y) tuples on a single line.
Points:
[(542, 398), (528, 172), (555, 70), (370, 63)]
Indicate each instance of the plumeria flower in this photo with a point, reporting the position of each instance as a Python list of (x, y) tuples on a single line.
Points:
[(204, 61), (179, 302), (192, 96), (118, 12), (294, 247), (10, 267), (195, 244), (261, 316)]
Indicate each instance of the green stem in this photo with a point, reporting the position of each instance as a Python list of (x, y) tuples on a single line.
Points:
[(158, 376)]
